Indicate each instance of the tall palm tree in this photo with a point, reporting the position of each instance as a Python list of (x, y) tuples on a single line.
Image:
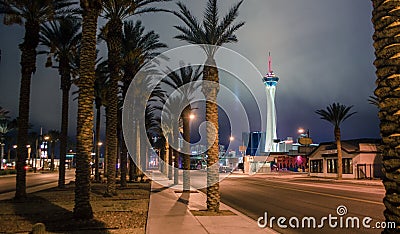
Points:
[(384, 18), (100, 99), (336, 113), (116, 12), (54, 137), (138, 48), (31, 14), (184, 81), (62, 38), (90, 12), (209, 34)]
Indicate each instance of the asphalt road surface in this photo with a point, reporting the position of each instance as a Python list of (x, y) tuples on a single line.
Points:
[(295, 198), (34, 181)]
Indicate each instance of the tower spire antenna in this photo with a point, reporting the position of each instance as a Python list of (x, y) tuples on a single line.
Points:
[(269, 63)]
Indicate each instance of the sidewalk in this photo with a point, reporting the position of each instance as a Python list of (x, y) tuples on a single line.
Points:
[(170, 212)]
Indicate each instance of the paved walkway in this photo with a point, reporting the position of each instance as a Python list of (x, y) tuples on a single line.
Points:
[(170, 212)]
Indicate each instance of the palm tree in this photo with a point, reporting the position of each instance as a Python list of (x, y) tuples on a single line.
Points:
[(335, 114), (138, 47), (385, 18), (211, 33), (62, 38), (32, 15), (115, 12), (90, 12), (184, 81), (54, 137), (143, 85), (100, 99)]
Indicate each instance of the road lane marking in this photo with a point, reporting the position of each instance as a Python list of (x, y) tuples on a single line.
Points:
[(340, 187), (329, 195)]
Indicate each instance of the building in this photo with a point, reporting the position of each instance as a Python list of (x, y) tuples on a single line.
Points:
[(254, 142), (270, 82), (361, 159)]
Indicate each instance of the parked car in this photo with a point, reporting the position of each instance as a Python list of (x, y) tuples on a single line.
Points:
[(225, 169)]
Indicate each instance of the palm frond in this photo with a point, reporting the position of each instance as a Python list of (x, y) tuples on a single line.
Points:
[(212, 32), (374, 100), (335, 113)]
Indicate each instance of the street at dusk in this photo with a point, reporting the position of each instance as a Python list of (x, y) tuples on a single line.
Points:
[(299, 197), (199, 116)]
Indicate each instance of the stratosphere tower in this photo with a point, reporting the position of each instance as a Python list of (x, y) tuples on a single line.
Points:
[(270, 82)]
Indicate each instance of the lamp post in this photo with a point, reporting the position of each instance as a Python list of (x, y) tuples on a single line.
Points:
[(303, 133), (16, 152), (96, 161)]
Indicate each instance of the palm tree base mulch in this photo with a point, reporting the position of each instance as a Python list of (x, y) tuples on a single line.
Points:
[(212, 213), (124, 213)]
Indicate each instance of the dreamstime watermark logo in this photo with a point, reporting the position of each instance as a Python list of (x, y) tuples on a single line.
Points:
[(339, 220), (241, 98)]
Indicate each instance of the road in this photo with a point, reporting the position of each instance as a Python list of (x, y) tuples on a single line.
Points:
[(300, 197), (34, 182)]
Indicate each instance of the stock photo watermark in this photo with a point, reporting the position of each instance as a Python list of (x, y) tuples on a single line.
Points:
[(340, 220)]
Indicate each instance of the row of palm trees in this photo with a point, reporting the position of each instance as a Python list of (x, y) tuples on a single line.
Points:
[(55, 24)]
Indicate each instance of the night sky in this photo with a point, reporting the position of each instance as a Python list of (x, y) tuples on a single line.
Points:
[(322, 52)]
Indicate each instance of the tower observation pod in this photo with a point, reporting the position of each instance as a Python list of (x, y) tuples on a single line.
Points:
[(270, 82)]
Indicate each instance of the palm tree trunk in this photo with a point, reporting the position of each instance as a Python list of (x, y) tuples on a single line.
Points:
[(385, 19), (176, 159), (111, 139), (124, 151), (170, 162), (339, 153), (53, 149), (91, 11), (186, 147), (65, 87), (124, 162), (114, 37), (210, 90), (28, 67), (143, 149), (132, 169), (137, 150)]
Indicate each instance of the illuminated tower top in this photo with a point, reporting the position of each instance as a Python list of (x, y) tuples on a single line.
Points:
[(270, 79)]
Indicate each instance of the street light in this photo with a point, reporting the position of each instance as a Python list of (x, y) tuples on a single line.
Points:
[(231, 138), (302, 132)]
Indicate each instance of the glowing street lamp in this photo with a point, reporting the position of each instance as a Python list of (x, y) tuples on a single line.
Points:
[(192, 116), (231, 138)]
